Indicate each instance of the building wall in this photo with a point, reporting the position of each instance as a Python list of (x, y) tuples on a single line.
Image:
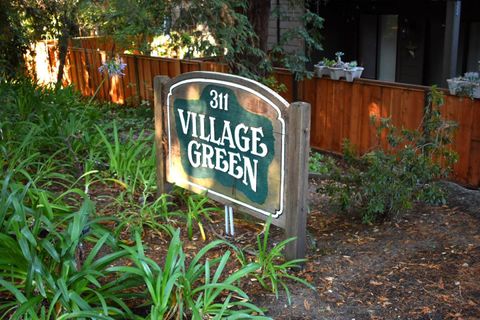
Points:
[(284, 17), (355, 28)]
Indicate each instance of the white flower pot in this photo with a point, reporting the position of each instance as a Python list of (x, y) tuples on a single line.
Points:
[(476, 92), (358, 72), (456, 86), (321, 71), (353, 73), (336, 73), (349, 75), (452, 86)]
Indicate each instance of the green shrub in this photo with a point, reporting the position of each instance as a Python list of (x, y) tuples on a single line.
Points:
[(384, 182), (154, 215), (321, 164)]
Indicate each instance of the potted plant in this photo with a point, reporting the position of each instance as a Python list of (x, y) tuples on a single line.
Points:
[(337, 70), (468, 85), (453, 85), (353, 71), (321, 68)]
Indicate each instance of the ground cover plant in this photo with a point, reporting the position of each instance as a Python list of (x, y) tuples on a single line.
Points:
[(83, 236), (76, 205)]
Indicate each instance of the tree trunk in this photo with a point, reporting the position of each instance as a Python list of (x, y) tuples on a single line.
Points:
[(69, 28), (258, 15), (63, 47)]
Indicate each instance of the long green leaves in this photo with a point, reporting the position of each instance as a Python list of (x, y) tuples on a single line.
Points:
[(130, 159), (58, 258), (189, 290), (40, 264), (274, 268)]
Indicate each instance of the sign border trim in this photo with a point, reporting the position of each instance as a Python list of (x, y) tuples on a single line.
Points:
[(262, 97)]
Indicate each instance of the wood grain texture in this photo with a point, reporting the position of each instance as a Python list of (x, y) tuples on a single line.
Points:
[(296, 206), (159, 84)]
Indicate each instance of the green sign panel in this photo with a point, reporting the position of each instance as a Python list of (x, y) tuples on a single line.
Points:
[(228, 140), (221, 140)]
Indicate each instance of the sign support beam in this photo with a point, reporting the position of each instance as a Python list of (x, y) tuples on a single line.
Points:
[(298, 146), (159, 84)]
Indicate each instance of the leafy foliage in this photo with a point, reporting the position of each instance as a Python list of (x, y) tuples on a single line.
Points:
[(321, 164), (385, 182), (218, 28), (274, 272), (309, 34), (60, 258), (189, 290), (43, 268), (197, 208)]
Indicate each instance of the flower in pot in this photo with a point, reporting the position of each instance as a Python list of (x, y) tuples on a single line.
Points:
[(352, 71), (337, 70)]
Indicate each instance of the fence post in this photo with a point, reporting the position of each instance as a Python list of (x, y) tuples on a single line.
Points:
[(137, 80), (159, 83), (298, 150)]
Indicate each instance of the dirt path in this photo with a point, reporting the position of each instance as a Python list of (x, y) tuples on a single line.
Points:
[(424, 264)]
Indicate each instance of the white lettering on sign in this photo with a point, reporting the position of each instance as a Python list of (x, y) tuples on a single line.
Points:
[(244, 139), (223, 148)]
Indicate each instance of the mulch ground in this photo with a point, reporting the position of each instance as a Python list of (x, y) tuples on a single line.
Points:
[(422, 264)]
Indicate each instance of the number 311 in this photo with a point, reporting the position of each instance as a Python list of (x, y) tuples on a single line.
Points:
[(219, 101)]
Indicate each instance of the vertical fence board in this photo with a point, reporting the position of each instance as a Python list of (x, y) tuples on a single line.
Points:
[(148, 79), (308, 93), (473, 174), (355, 122), (155, 64), (141, 78), (189, 66), (461, 111), (346, 116), (173, 68), (73, 70), (67, 74), (78, 62)]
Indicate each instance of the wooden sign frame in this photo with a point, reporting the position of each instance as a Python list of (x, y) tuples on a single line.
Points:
[(294, 137)]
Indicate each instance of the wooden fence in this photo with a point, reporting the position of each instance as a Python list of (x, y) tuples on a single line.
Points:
[(340, 110)]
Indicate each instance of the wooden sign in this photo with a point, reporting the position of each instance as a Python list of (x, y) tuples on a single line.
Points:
[(236, 140)]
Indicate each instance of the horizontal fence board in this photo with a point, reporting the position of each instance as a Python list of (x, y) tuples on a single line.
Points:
[(340, 110)]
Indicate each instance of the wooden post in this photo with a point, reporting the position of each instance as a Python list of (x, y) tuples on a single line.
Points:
[(159, 83), (298, 150)]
